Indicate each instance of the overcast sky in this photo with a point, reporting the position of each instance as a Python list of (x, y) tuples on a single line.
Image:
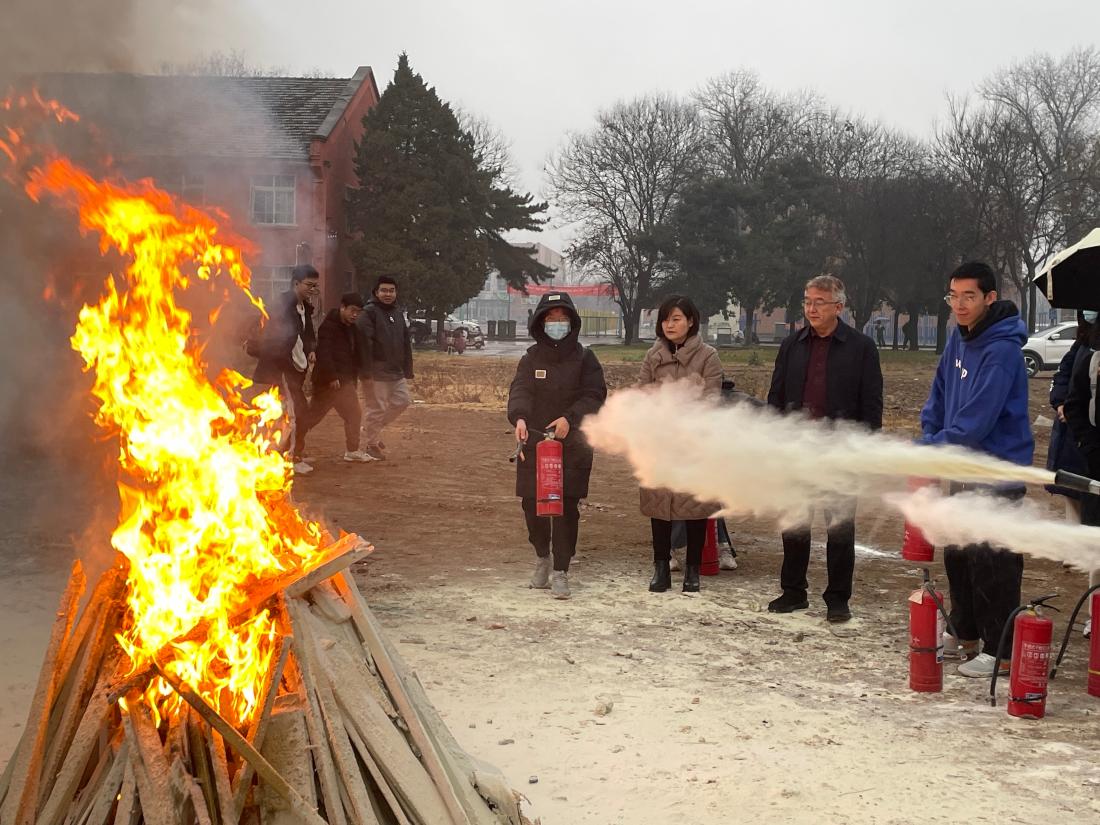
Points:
[(539, 70)]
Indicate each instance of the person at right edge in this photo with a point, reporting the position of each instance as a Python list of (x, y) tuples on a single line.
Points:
[(558, 382), (979, 400)]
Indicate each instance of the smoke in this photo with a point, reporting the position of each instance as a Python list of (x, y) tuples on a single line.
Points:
[(752, 461)]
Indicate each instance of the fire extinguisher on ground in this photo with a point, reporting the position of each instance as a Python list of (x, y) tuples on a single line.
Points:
[(1030, 663), (927, 619), (549, 476), (914, 546), (1094, 639)]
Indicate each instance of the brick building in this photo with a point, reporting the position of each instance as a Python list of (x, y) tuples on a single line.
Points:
[(276, 154)]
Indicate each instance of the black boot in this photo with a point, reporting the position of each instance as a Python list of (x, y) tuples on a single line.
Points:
[(691, 578), (662, 577)]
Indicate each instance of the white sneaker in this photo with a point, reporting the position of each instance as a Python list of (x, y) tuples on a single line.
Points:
[(981, 667), (959, 651), (302, 469), (726, 561), (559, 585), (541, 578), (357, 455), (1086, 631), (674, 563)]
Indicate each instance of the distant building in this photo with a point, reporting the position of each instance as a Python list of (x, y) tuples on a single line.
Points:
[(274, 153)]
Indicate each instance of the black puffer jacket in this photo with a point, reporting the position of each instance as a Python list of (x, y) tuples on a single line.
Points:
[(337, 351), (555, 379), (385, 349), (284, 326)]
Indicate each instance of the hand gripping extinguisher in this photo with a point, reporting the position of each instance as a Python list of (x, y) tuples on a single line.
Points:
[(1094, 640), (914, 546), (927, 618), (549, 480), (1027, 678)]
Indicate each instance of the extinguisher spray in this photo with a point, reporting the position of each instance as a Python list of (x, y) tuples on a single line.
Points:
[(1094, 639), (549, 476), (927, 619), (1027, 680), (914, 546)]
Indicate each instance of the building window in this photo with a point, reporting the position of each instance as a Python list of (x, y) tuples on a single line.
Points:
[(191, 188), (273, 200), (270, 281)]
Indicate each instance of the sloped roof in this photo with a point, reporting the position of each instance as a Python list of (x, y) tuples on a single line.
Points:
[(184, 116)]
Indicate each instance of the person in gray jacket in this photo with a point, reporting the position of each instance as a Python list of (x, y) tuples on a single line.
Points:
[(386, 363)]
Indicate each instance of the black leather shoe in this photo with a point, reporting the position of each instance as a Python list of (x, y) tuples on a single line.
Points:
[(662, 577), (691, 578), (837, 613), (787, 604)]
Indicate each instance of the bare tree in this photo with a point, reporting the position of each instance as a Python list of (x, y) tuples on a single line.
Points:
[(619, 183), (232, 64), (492, 147)]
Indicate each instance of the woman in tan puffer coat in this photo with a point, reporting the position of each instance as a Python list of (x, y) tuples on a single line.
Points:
[(679, 354)]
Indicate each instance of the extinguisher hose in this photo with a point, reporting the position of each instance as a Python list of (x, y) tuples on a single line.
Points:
[(943, 610), (1000, 652), (1069, 628)]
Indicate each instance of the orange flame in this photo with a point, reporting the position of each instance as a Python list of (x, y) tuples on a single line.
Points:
[(205, 512)]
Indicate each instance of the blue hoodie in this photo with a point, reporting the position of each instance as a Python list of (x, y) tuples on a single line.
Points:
[(979, 396)]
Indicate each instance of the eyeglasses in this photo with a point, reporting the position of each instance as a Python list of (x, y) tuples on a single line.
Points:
[(312, 286), (818, 304), (965, 298)]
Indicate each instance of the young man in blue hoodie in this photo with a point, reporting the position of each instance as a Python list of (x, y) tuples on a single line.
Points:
[(979, 400)]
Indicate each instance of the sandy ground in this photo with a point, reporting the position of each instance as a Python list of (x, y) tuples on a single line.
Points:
[(626, 706)]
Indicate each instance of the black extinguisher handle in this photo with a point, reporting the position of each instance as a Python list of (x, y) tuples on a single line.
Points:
[(930, 588), (1000, 652), (1069, 629)]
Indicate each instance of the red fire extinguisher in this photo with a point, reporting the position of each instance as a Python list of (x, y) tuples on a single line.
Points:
[(1094, 639), (914, 546), (926, 624), (1030, 664), (549, 472)]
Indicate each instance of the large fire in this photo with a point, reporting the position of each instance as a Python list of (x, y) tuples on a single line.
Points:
[(205, 511)]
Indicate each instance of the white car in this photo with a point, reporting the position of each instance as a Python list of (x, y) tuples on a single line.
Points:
[(1044, 349)]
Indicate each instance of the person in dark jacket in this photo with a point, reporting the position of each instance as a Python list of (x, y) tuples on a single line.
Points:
[(979, 400), (335, 378), (557, 383), (1062, 453), (386, 363), (286, 348), (826, 370)]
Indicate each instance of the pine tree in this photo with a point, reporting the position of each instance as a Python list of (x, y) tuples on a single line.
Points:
[(429, 210)]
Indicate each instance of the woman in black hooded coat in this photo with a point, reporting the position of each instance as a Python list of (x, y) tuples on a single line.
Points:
[(558, 382)]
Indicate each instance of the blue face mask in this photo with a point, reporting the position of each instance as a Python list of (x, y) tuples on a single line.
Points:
[(1089, 315), (556, 330)]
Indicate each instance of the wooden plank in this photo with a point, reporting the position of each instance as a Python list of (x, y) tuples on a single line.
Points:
[(388, 665), (331, 606), (287, 749), (127, 812), (322, 756), (384, 788), (352, 779), (21, 801), (151, 771), (111, 788), (331, 565), (202, 767), (345, 551), (258, 730), (267, 773), (97, 715), (226, 810)]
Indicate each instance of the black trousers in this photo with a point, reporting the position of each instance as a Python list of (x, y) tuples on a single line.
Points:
[(662, 539), (345, 399), (553, 533), (984, 583), (840, 556)]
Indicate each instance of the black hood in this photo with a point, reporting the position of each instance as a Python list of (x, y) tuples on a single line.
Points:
[(547, 303), (998, 311)]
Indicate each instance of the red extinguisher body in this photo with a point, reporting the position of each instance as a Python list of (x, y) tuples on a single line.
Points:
[(549, 477), (914, 546), (1094, 646), (1027, 681), (925, 642)]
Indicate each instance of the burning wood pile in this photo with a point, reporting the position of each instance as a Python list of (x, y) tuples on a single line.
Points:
[(226, 669), (344, 732)]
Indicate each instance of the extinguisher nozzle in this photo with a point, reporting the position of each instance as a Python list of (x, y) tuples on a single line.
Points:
[(1080, 483)]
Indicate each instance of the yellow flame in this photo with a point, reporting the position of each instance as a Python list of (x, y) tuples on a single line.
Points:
[(205, 512)]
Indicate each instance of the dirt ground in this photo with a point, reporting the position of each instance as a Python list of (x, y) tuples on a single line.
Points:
[(622, 706)]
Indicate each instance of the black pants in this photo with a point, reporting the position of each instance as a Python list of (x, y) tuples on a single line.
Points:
[(345, 399), (984, 582), (662, 539), (557, 533), (840, 556)]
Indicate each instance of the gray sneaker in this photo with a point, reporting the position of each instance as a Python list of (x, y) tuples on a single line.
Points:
[(541, 579), (559, 585)]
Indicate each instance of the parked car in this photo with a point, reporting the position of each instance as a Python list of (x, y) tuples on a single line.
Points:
[(1044, 349), (423, 332)]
